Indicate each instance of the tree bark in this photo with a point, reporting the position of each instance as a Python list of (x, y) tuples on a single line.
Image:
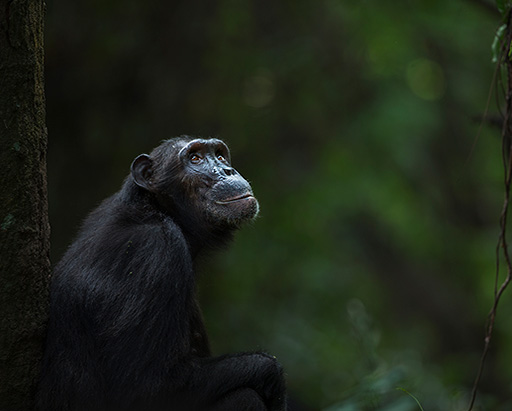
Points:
[(24, 227)]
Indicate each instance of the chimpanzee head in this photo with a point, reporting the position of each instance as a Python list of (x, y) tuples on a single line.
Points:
[(192, 179)]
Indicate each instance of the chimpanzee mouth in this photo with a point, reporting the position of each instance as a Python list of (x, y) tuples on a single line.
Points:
[(235, 199)]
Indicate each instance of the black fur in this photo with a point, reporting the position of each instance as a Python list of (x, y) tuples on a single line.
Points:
[(125, 330)]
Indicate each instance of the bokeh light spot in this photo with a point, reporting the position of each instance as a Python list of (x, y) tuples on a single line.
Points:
[(425, 78)]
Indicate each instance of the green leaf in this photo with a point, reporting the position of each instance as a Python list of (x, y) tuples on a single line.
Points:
[(496, 43)]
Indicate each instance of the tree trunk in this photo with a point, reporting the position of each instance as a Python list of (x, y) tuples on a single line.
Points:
[(24, 227)]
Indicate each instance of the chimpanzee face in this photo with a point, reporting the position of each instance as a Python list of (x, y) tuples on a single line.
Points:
[(222, 193), (195, 177)]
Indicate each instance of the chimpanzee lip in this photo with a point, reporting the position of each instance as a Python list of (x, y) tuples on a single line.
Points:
[(235, 199)]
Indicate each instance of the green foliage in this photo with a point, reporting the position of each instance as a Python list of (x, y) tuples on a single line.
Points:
[(503, 6)]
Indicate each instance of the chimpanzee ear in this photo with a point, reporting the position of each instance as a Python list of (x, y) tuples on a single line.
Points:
[(142, 171)]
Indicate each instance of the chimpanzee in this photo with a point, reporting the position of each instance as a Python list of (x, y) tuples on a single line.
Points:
[(125, 329)]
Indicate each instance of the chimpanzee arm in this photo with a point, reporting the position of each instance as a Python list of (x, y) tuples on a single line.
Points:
[(120, 313), (216, 378), (151, 299)]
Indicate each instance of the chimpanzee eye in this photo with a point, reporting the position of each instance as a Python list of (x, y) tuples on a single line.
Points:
[(221, 158), (195, 158)]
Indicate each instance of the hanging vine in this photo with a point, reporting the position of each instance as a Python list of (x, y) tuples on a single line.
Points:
[(503, 58)]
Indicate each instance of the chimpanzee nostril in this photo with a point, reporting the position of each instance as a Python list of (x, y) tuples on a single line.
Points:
[(229, 171)]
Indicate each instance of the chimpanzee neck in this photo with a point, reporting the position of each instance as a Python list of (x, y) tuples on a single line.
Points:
[(201, 236)]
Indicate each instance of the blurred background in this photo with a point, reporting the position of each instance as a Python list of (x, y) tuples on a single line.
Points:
[(370, 270)]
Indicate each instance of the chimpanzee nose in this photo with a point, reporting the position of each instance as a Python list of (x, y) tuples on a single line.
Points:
[(224, 171), (229, 171)]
